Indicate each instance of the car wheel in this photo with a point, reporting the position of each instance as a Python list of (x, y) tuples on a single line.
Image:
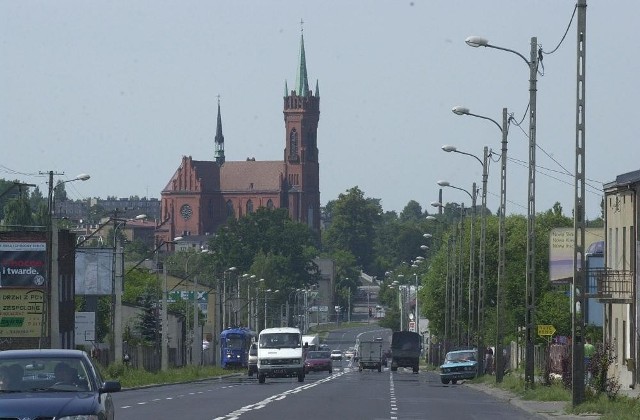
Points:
[(379, 368), (415, 369), (454, 381), (394, 368), (444, 381), (330, 370), (261, 378), (301, 377)]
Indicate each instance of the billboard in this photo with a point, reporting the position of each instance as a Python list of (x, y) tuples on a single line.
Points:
[(21, 312), (561, 248), (94, 271), (23, 264)]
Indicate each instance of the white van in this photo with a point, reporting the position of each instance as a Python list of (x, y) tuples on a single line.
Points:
[(280, 354)]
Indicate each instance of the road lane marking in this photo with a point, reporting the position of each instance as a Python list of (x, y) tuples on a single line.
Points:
[(278, 397)]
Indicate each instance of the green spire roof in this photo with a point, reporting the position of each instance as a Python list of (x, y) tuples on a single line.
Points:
[(302, 82)]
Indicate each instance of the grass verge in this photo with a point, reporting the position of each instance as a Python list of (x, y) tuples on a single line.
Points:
[(620, 407)]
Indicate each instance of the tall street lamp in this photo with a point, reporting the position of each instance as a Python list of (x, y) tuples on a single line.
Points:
[(456, 272), (226, 273), (473, 196), (483, 233), (504, 131), (530, 310), (52, 287)]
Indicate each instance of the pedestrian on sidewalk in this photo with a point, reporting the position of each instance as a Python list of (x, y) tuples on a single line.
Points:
[(589, 351)]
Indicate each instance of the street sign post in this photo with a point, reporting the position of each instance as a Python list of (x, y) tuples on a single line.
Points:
[(546, 330)]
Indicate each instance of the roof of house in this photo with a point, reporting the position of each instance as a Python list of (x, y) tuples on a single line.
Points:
[(624, 179)]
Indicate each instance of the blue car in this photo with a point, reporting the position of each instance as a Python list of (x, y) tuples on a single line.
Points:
[(53, 384), (459, 364)]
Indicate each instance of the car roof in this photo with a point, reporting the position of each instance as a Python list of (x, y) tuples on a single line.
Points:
[(70, 353), (462, 351)]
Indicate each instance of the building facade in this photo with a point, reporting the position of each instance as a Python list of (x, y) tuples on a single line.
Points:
[(619, 282), (203, 194)]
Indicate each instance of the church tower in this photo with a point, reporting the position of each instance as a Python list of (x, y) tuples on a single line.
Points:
[(301, 187), (219, 139)]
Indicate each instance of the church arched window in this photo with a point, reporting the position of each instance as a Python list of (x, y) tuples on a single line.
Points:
[(270, 205), (230, 212), (249, 206)]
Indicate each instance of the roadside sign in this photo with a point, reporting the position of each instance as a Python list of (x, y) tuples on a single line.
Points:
[(412, 326), (546, 330)]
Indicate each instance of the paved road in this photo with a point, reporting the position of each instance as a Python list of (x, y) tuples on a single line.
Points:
[(344, 394)]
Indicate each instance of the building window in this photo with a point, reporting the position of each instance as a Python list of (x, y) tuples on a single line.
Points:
[(293, 144), (211, 212), (270, 204), (230, 212), (249, 207)]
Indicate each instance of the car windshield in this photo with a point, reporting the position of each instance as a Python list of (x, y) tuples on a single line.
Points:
[(461, 356), (278, 340), (43, 374)]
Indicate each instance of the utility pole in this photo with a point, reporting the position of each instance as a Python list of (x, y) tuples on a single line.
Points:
[(579, 276)]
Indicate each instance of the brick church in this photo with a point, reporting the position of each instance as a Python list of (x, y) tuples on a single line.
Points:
[(203, 194)]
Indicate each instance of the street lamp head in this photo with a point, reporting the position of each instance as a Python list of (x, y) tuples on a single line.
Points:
[(460, 110), (427, 235), (177, 238), (449, 148), (431, 217), (436, 204), (424, 247), (82, 177), (140, 217), (444, 183), (231, 269), (476, 41)]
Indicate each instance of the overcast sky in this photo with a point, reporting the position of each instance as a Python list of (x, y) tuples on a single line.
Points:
[(123, 89)]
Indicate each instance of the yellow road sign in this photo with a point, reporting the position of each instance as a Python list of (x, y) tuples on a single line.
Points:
[(546, 330)]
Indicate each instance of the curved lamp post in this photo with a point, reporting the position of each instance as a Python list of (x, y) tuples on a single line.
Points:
[(504, 130), (473, 196), (532, 64), (51, 303), (483, 233)]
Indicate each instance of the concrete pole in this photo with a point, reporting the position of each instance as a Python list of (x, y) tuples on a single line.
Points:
[(196, 349), (164, 362), (579, 222), (499, 362), (117, 314), (54, 280)]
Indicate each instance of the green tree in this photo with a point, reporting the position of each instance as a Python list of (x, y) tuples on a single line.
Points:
[(270, 241), (353, 221), (411, 212), (555, 309), (18, 213)]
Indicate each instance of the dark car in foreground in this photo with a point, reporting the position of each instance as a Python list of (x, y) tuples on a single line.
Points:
[(53, 384), (318, 361), (459, 364)]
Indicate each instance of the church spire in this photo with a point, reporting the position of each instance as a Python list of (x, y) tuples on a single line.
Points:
[(302, 82), (219, 139)]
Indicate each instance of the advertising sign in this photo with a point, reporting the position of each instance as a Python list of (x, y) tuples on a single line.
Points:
[(21, 312), (561, 246), (23, 264), (94, 271), (85, 327)]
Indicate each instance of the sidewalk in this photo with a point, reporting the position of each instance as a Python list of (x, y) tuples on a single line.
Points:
[(540, 409)]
